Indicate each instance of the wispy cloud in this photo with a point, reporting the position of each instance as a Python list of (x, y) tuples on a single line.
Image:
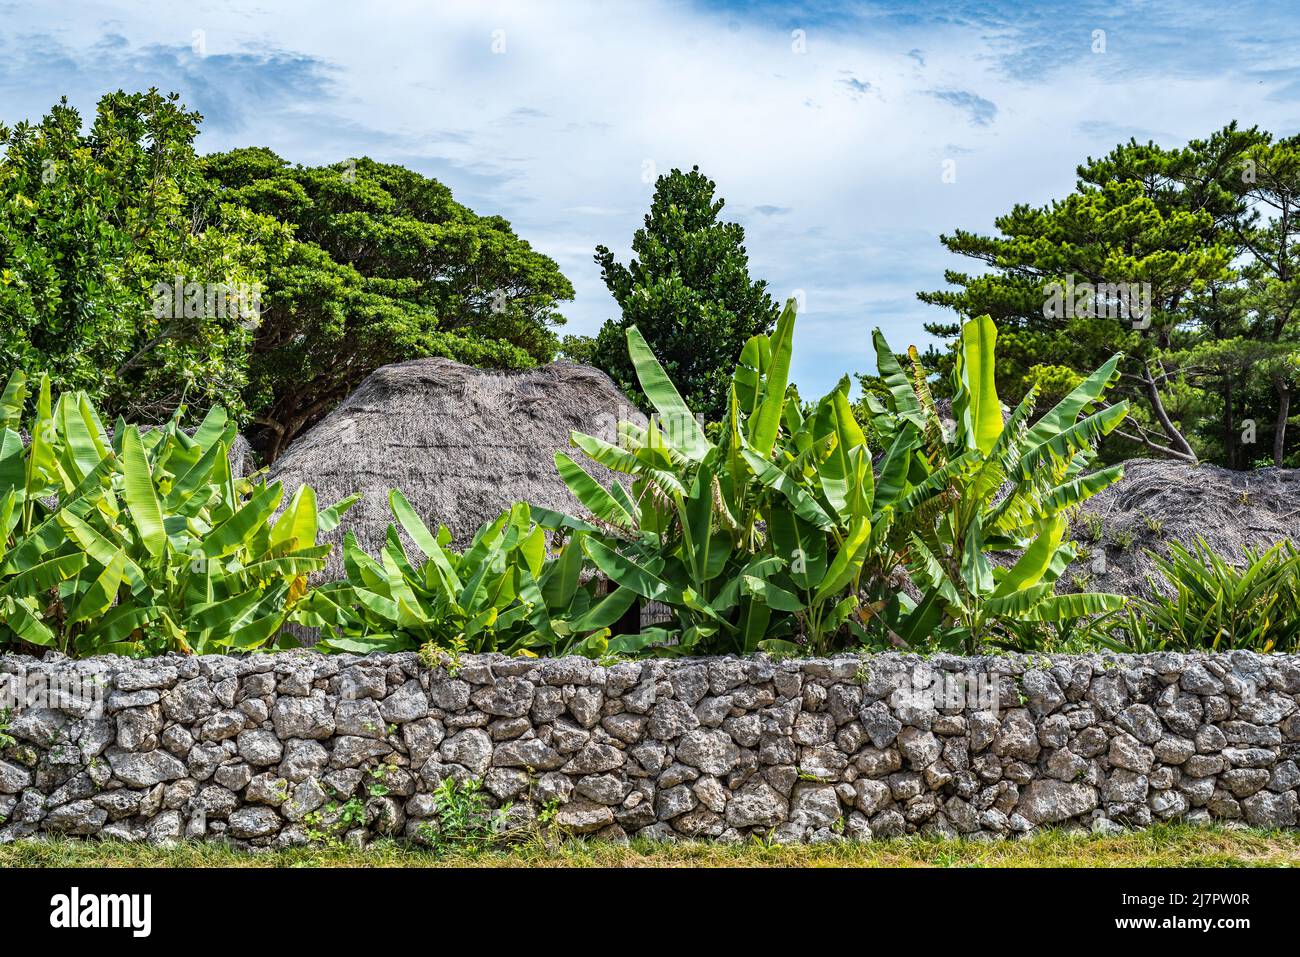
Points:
[(232, 90), (855, 86), (979, 111)]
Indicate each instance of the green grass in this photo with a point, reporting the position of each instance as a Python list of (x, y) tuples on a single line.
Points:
[(1162, 846)]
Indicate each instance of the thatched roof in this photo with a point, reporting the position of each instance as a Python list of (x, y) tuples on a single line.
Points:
[(1157, 501), (242, 459), (461, 443)]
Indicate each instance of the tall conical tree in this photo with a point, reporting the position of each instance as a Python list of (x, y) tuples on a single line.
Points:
[(688, 291)]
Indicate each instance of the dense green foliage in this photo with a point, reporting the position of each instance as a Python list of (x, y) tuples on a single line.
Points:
[(776, 535), (689, 292), (144, 545), (989, 487), (782, 535), (1206, 602), (90, 223), (383, 266), (1208, 233), (791, 530), (151, 278), (756, 541), (502, 594)]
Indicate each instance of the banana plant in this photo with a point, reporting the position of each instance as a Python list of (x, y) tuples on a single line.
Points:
[(723, 596), (145, 542), (758, 540), (982, 488), (503, 593)]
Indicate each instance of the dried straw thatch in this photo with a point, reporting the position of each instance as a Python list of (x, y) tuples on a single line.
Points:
[(1158, 501), (462, 444), (241, 456)]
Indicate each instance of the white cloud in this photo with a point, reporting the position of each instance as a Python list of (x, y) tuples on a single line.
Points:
[(839, 184)]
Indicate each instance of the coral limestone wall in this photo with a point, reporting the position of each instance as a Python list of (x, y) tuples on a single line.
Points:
[(281, 749)]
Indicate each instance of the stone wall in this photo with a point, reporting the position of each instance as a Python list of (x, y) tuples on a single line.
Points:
[(268, 750)]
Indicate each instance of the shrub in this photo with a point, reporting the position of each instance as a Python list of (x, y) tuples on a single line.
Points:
[(758, 540), (463, 820), (774, 531), (1206, 602), (146, 543), (503, 593)]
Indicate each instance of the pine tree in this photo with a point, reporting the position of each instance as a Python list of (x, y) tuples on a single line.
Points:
[(689, 293), (1168, 224)]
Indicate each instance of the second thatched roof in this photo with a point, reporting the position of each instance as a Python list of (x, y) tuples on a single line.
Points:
[(1158, 501), (462, 444)]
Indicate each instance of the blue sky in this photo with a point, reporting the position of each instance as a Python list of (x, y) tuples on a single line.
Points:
[(827, 126)]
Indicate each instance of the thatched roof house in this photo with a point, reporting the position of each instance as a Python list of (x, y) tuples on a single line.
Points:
[(1160, 501), (461, 443)]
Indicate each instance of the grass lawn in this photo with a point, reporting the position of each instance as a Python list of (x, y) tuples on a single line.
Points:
[(1163, 846)]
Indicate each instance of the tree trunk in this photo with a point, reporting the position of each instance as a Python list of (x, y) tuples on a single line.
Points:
[(1279, 432), (1230, 437), (1180, 445), (272, 444)]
